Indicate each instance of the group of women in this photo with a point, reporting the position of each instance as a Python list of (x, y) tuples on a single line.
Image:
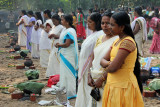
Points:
[(142, 26), (108, 60), (109, 63)]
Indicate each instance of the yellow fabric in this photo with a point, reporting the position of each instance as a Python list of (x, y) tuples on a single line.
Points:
[(99, 41), (74, 21), (127, 45), (121, 89)]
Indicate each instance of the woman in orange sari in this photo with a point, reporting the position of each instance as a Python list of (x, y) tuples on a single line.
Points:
[(81, 34), (121, 67)]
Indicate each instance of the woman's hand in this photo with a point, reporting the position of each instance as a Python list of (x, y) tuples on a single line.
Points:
[(17, 24), (98, 83), (104, 63), (57, 45), (41, 26), (90, 81), (50, 36), (25, 25)]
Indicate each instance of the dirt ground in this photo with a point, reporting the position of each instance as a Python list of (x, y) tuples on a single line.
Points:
[(11, 76)]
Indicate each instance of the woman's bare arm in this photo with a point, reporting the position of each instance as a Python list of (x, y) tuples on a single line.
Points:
[(136, 28)]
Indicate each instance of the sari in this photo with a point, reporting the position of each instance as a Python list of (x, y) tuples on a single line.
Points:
[(142, 33), (101, 48), (155, 46), (22, 31), (81, 33), (35, 40), (45, 45), (74, 21), (53, 63), (68, 62), (85, 59), (29, 33)]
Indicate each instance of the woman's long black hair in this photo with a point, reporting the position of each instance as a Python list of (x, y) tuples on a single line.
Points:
[(80, 9), (38, 14), (96, 17), (156, 13), (138, 9), (108, 14), (48, 12), (69, 19), (30, 13), (24, 12), (122, 19)]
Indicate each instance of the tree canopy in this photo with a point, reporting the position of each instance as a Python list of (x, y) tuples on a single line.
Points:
[(71, 5)]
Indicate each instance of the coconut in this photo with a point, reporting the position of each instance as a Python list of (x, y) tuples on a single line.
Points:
[(11, 89)]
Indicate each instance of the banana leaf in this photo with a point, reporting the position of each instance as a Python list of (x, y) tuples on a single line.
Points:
[(31, 87), (154, 84), (32, 73)]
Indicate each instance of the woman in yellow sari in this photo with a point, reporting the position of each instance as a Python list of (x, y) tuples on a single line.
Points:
[(121, 67)]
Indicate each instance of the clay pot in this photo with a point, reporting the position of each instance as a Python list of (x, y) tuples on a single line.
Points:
[(13, 43), (17, 48), (28, 62), (32, 97), (23, 54)]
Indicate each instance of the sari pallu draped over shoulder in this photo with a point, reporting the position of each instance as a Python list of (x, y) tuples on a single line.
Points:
[(87, 47), (141, 34), (22, 31), (53, 64), (100, 50), (45, 44), (68, 62)]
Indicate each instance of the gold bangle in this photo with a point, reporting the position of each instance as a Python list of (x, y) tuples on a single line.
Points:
[(103, 78), (109, 62), (105, 69)]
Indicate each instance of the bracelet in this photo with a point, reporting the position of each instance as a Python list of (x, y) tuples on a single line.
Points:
[(103, 78), (109, 62), (105, 69)]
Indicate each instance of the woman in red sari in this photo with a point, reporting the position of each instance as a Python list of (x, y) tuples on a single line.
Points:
[(81, 34), (154, 23)]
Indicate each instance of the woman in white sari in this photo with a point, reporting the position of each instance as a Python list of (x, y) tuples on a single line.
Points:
[(53, 64), (68, 49), (36, 33), (83, 95), (139, 28), (45, 42), (22, 31), (102, 46)]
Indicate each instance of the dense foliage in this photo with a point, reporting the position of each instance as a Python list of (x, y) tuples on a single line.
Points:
[(70, 5)]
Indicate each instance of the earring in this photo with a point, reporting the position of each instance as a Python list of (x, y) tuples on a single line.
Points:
[(121, 30)]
